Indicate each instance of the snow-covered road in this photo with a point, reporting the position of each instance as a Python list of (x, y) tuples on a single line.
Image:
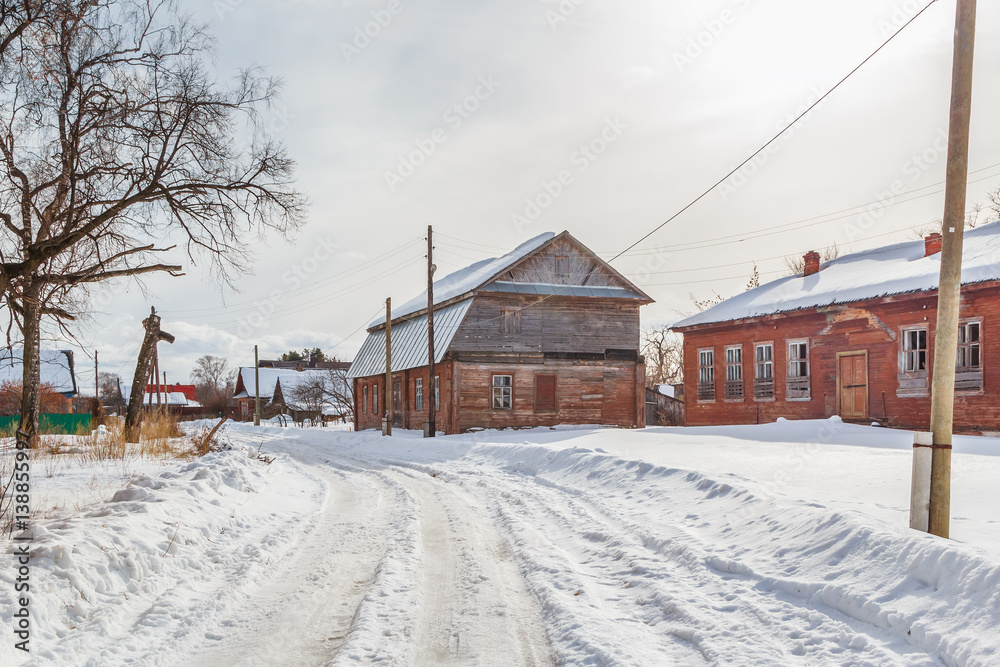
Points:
[(585, 546)]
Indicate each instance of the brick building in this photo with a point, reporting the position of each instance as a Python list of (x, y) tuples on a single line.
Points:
[(854, 337), (546, 334)]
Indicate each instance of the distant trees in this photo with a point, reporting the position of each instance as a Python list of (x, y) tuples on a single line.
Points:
[(314, 354), (116, 146), (49, 400), (321, 390), (214, 381), (109, 388), (797, 264)]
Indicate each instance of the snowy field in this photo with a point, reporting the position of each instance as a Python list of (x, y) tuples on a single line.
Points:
[(780, 544)]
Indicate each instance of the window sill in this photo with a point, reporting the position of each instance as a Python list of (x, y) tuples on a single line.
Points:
[(798, 399), (734, 400), (763, 400)]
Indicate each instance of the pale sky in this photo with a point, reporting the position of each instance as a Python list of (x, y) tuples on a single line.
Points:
[(464, 115)]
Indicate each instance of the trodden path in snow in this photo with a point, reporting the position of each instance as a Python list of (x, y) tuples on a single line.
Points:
[(398, 567)]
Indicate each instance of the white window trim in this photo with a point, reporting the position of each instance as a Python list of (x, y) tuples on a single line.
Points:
[(699, 382), (903, 330), (494, 387), (788, 368)]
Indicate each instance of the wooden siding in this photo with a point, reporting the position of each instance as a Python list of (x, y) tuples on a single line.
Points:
[(562, 263), (894, 398), (556, 324)]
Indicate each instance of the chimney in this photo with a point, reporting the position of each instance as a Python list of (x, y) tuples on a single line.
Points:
[(811, 263), (932, 244)]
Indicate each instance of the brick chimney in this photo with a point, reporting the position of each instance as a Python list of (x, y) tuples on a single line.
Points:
[(932, 244), (811, 263)]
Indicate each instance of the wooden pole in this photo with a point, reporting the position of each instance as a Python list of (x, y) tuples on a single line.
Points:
[(97, 387), (142, 373), (156, 376), (256, 387), (388, 367), (946, 327), (431, 429)]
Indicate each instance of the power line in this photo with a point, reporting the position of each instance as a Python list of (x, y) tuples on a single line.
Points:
[(774, 138)]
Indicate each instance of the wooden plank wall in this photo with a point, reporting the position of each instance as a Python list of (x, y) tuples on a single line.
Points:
[(556, 324)]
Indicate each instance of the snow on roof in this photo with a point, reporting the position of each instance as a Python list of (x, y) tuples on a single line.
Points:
[(465, 280), (894, 269), (269, 377), (55, 368), (666, 389)]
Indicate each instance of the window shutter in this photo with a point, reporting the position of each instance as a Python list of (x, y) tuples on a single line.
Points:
[(545, 392)]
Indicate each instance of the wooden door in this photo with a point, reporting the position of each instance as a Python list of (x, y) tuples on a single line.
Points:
[(397, 403), (852, 385)]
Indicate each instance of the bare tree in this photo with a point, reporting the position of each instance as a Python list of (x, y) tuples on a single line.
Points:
[(321, 390), (109, 388), (214, 382), (664, 353), (116, 146)]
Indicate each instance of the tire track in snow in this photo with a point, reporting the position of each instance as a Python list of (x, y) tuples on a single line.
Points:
[(571, 538), (476, 608), (304, 613)]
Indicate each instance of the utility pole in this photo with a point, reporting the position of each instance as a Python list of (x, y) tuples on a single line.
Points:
[(156, 377), (949, 287), (142, 372), (97, 385), (387, 429), (256, 387), (431, 429)]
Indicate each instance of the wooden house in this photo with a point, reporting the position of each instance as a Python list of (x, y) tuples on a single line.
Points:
[(290, 390), (853, 337), (546, 334)]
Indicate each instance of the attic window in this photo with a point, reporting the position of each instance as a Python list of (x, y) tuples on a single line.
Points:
[(562, 269), (510, 320)]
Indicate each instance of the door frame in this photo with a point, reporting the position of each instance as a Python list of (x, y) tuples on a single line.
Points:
[(853, 353)]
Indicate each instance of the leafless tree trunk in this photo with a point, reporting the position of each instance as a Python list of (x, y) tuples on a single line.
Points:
[(114, 138)]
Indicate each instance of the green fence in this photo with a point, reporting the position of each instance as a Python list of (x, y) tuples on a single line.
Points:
[(52, 423)]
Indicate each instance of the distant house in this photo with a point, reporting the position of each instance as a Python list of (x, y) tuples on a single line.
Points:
[(853, 337), (55, 372), (175, 399), (546, 334), (281, 392)]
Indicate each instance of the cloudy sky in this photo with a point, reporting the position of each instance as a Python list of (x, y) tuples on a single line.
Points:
[(465, 115)]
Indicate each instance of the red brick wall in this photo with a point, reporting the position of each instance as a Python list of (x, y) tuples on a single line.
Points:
[(873, 326), (411, 418)]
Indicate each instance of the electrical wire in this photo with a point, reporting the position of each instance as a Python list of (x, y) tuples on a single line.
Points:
[(775, 137)]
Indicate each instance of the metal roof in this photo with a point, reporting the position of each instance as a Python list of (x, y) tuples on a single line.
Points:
[(409, 342), (561, 290)]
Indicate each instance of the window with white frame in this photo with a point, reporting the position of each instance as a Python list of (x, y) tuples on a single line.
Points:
[(706, 374), (418, 394), (734, 364), (364, 400), (969, 361), (763, 378), (374, 399), (503, 392), (764, 361), (734, 373), (797, 383), (968, 358), (914, 350)]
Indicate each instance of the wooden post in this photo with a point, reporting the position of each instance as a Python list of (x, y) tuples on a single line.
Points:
[(156, 378), (97, 386), (431, 428), (949, 286), (256, 387), (387, 429), (142, 371)]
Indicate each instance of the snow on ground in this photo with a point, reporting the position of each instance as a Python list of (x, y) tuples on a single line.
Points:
[(784, 543)]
